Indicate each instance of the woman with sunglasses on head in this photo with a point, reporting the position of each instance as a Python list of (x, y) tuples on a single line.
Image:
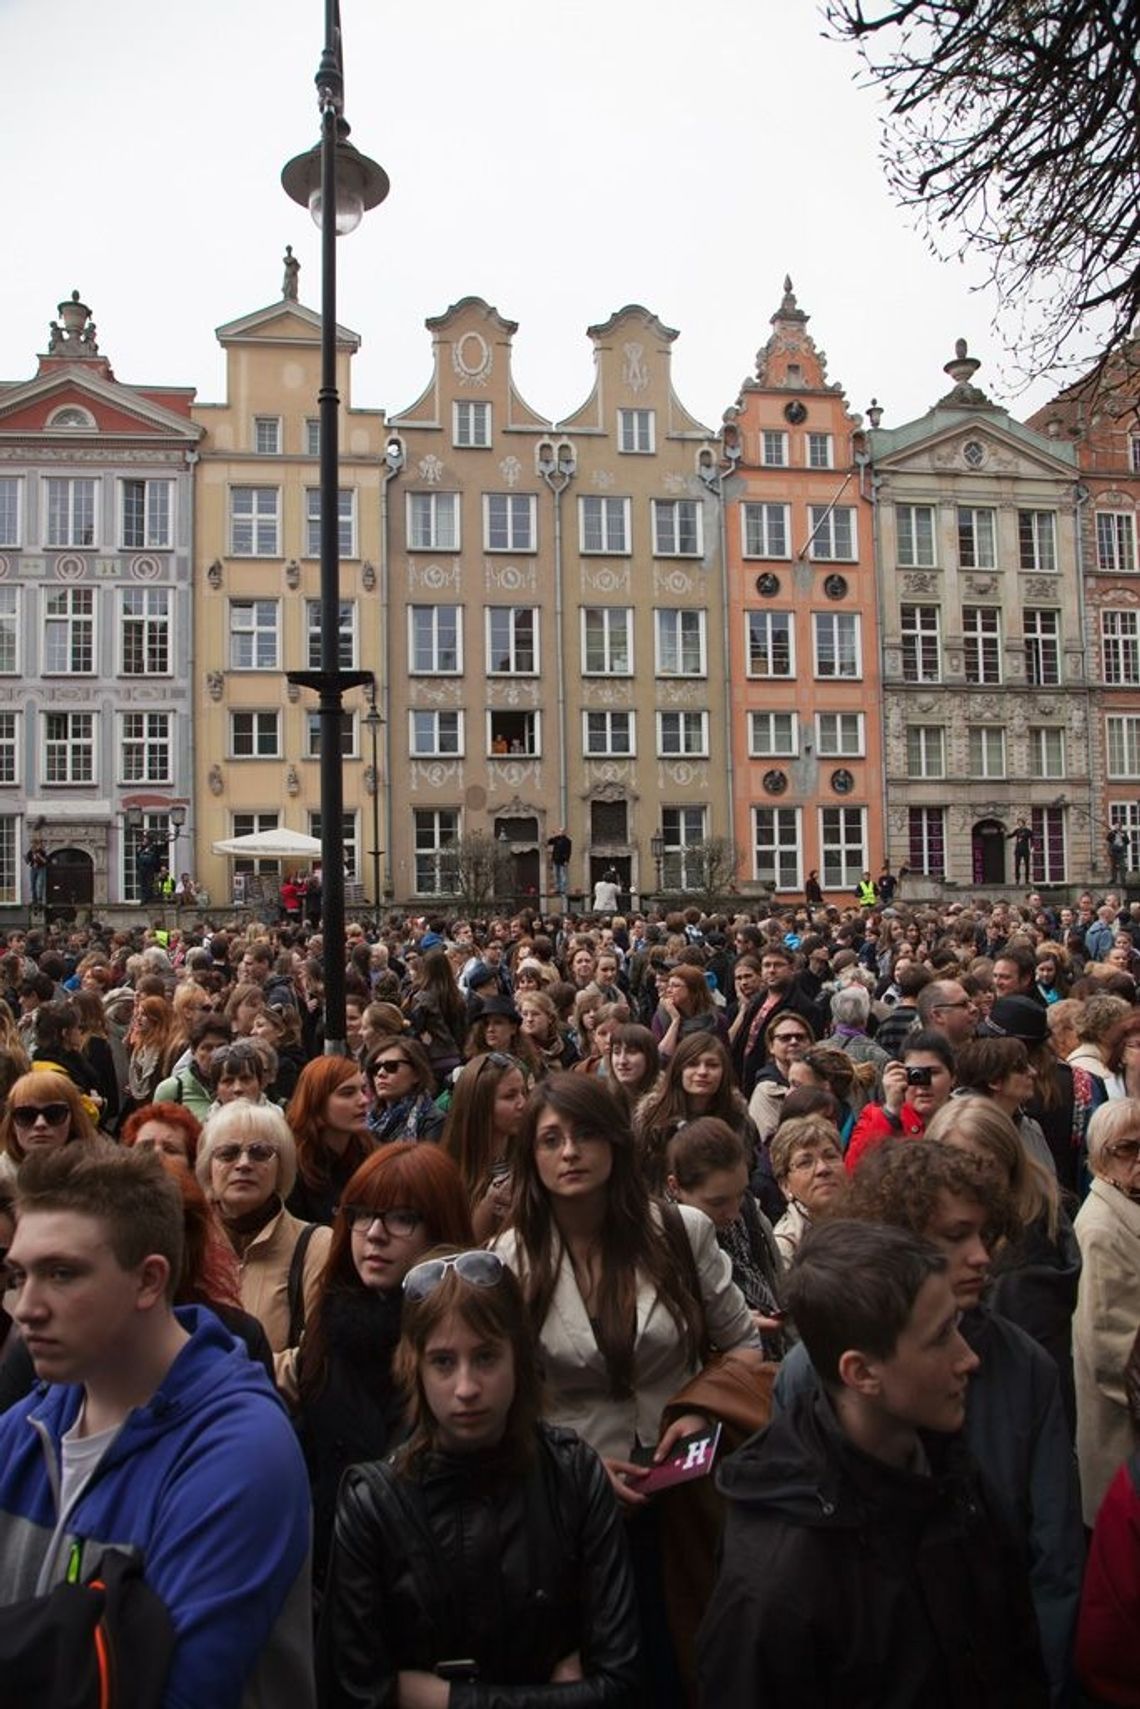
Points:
[(327, 1115), (399, 1079), (44, 1112), (402, 1201), (485, 1112), (485, 1563)]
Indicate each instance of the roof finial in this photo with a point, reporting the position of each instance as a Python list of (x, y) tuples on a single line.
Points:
[(789, 309), (962, 370), (292, 270)]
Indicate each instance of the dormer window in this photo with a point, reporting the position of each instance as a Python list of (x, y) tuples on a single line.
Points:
[(72, 419)]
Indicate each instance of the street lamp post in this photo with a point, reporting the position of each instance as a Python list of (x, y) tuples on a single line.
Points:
[(176, 820), (657, 850), (372, 723), (337, 184)]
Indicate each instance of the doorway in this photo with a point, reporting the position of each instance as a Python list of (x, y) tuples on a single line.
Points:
[(987, 845), (70, 879)]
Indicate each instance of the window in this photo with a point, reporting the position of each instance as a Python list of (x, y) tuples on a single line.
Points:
[(770, 649), (1120, 647), (146, 514), (435, 734), (1048, 861), (1115, 542), (604, 525), (843, 846), (513, 734), (348, 733), (435, 831), (433, 522), (977, 538), (681, 828), (832, 532), (9, 866), (1046, 752), (1122, 736), (981, 633), (159, 824), (1134, 453), (772, 735), (838, 652), (925, 750), (677, 528), (1037, 539), (144, 622), (765, 530), (471, 425), (145, 747), (774, 449), (253, 634), (839, 735), (986, 751), (69, 631), (512, 640), (255, 522), (349, 841), (69, 747), (635, 430), (9, 747), (244, 825), (267, 435), (435, 639), (819, 450), (680, 643), (607, 640), (509, 522), (255, 735), (776, 847), (914, 529), (921, 644), (346, 645), (9, 630), (607, 734), (683, 733), (346, 522), (70, 511), (1042, 631), (312, 436), (926, 840), (9, 510), (1127, 814)]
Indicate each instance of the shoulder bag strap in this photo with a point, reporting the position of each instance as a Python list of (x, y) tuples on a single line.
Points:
[(296, 1284)]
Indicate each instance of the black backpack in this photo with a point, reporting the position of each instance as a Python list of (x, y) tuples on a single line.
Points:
[(105, 1644)]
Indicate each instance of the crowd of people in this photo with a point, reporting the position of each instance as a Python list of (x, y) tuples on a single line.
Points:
[(648, 1310)]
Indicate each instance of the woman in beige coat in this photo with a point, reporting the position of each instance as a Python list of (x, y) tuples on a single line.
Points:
[(1108, 1299)]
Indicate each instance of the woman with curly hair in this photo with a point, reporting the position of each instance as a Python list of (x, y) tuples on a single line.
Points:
[(327, 1116), (696, 1081)]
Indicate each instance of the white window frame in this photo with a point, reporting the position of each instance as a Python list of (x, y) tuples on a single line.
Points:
[(1134, 453), (532, 728), (776, 624), (616, 623), (76, 529), (1044, 869), (471, 425), (1046, 751), (609, 734), (1122, 744), (773, 448), (432, 522), (426, 738), (245, 824), (431, 623), (1115, 542), (981, 645), (348, 640), (1120, 648), (349, 735), (312, 436), (144, 737), (844, 872), (840, 735), (263, 521), (153, 618), (349, 838), (815, 443), (441, 827), (11, 510), (73, 744), (759, 523), (11, 630), (10, 862), (258, 626), (916, 536), (157, 532), (845, 648), (772, 740), (778, 857), (675, 628), (981, 739), (976, 526), (510, 522), (637, 432), (925, 751), (1037, 540), (11, 744), (834, 533), (610, 524), (264, 725), (268, 437), (692, 735), (678, 527), (681, 827), (923, 641), (930, 824), (1041, 634), (76, 620), (509, 616), (346, 522)]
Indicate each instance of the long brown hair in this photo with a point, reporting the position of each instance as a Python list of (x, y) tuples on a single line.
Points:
[(305, 1115), (632, 1238), (667, 1105), (469, 1133)]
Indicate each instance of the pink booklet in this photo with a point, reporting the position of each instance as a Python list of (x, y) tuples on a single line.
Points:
[(691, 1457)]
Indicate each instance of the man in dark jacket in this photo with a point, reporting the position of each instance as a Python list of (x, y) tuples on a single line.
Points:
[(862, 1567), (780, 991)]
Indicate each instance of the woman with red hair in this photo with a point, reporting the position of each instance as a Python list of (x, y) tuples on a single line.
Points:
[(170, 1129), (328, 1118), (402, 1201), (153, 1045)]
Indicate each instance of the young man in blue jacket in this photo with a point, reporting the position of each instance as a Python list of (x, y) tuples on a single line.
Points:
[(152, 1431)]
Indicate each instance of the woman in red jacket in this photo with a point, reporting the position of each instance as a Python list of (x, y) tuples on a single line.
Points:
[(913, 1090)]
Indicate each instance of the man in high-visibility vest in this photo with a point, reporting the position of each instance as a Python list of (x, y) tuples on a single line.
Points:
[(865, 893)]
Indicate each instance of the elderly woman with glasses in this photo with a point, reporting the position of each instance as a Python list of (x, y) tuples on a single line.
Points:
[(485, 1562), (247, 1165), (1108, 1297), (398, 1077)]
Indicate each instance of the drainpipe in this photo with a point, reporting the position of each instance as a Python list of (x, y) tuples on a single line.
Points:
[(557, 465), (713, 478), (395, 457), (1080, 499), (865, 464)]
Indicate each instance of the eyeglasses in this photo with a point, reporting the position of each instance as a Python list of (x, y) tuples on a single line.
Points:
[(390, 1065), (1127, 1150), (789, 1038), (258, 1151), (552, 1142), (967, 1003), (480, 1269), (397, 1224), (26, 1115)]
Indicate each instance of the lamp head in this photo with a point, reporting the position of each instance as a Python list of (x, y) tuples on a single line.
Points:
[(360, 183)]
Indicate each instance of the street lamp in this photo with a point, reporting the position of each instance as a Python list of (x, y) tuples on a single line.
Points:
[(372, 723), (176, 820), (332, 175), (657, 850)]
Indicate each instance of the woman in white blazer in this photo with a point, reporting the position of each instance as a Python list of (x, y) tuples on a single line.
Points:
[(1108, 1298)]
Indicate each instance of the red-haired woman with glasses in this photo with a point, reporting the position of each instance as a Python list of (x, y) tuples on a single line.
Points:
[(327, 1116), (484, 1563)]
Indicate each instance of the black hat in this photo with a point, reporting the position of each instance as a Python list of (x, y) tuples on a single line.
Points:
[(497, 1006), (481, 974), (1016, 1017)]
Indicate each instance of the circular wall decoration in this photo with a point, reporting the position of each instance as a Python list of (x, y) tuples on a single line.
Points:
[(768, 584), (775, 782), (795, 412), (973, 453), (835, 587), (842, 781)]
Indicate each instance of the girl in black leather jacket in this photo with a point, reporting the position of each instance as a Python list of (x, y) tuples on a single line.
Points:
[(484, 1567)]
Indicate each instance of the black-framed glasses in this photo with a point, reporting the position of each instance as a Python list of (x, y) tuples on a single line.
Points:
[(258, 1151), (390, 1065), (480, 1269), (27, 1115), (399, 1224)]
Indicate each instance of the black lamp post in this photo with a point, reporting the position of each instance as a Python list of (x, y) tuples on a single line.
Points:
[(337, 184), (372, 723), (657, 850)]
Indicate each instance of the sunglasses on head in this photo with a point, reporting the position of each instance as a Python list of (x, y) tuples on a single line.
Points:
[(479, 1269), (26, 1115)]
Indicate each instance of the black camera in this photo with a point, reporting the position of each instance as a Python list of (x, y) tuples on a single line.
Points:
[(919, 1076)]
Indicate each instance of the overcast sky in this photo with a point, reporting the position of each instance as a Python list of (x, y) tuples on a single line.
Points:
[(560, 160)]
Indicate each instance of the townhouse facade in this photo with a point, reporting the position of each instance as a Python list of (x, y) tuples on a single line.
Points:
[(96, 515), (803, 650), (988, 703)]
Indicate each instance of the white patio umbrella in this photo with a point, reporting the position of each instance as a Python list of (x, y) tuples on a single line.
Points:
[(281, 843)]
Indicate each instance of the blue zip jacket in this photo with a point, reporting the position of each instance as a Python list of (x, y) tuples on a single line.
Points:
[(208, 1483)]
